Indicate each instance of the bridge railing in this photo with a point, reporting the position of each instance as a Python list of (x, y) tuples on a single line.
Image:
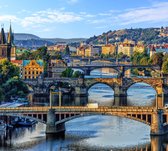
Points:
[(77, 109)]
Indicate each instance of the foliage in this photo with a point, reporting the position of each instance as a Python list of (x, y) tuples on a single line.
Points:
[(10, 84), (70, 73), (157, 59), (67, 73), (67, 50), (165, 67), (7, 70), (14, 87), (76, 74), (148, 35)]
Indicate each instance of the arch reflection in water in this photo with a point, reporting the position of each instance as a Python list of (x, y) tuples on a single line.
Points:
[(90, 133), (141, 94), (102, 94)]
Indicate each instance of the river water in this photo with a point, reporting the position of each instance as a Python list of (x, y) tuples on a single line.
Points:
[(93, 133)]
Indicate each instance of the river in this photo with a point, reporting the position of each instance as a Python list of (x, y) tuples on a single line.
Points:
[(93, 133)]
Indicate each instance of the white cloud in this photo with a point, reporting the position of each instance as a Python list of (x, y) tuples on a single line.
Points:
[(12, 18), (157, 13), (51, 16)]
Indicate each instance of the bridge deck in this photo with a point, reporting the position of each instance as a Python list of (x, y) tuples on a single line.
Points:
[(78, 109)]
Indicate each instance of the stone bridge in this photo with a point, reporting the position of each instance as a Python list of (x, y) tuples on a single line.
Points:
[(119, 68), (118, 85), (55, 117)]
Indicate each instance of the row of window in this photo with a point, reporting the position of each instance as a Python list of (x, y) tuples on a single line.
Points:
[(30, 77), (33, 72)]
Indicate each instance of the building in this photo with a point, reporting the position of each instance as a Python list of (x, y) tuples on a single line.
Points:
[(163, 32), (56, 67), (7, 48), (108, 49), (139, 47), (152, 51), (91, 51), (31, 69), (126, 47)]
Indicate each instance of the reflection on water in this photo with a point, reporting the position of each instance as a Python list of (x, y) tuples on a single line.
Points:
[(106, 132), (92, 133), (104, 95)]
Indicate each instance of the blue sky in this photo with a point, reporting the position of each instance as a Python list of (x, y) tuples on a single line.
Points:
[(81, 18)]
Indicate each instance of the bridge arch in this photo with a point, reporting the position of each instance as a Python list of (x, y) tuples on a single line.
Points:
[(107, 114), (115, 70), (141, 94), (25, 116), (97, 82), (141, 81)]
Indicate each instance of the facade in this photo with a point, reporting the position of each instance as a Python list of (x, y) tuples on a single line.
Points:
[(108, 49), (152, 51), (7, 48), (31, 69), (126, 47), (139, 48), (56, 67)]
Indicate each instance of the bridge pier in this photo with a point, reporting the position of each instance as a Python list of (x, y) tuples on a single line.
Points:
[(119, 92), (157, 127), (81, 91), (54, 128)]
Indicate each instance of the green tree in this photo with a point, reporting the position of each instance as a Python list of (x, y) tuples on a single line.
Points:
[(157, 59), (67, 73), (14, 87), (7, 70), (165, 67), (144, 61), (77, 74)]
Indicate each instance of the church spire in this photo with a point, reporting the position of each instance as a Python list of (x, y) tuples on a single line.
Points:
[(10, 35), (2, 36)]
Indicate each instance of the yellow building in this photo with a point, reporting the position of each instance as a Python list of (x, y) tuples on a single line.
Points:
[(32, 69), (139, 47), (126, 47), (81, 51), (108, 49)]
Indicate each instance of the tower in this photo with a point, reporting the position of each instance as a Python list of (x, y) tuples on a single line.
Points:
[(152, 51), (10, 39), (7, 48)]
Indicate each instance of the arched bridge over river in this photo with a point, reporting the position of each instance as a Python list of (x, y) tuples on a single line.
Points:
[(56, 117)]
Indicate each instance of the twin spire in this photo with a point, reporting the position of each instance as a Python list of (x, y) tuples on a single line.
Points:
[(10, 37)]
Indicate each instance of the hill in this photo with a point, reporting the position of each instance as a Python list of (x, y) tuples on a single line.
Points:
[(148, 35), (33, 41)]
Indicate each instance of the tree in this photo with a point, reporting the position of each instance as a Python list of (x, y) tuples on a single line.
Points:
[(10, 84), (67, 73), (157, 59), (14, 87), (144, 61), (7, 70), (77, 74), (165, 67), (67, 50)]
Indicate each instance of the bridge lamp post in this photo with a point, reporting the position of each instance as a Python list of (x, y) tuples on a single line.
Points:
[(51, 92), (60, 95), (156, 101)]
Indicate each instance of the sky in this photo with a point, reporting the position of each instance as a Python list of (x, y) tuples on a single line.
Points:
[(80, 18)]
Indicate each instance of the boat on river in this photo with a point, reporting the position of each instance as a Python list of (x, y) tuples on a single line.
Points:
[(23, 122)]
